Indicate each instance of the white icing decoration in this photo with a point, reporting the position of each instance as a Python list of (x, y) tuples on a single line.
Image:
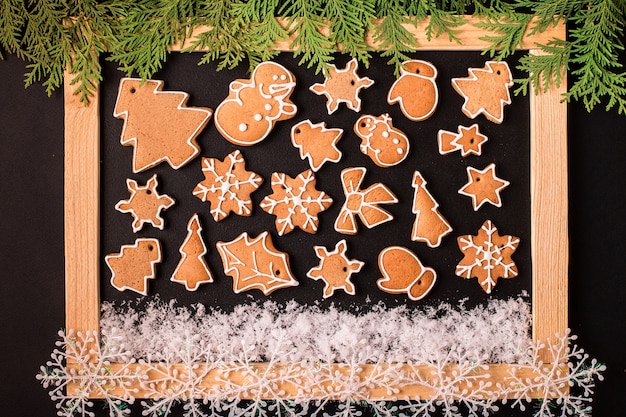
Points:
[(243, 127), (258, 117)]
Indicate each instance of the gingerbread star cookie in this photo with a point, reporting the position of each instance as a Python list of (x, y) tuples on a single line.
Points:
[(335, 269), (192, 270), (404, 273), (134, 265), (158, 124), (363, 204), (316, 142), (467, 140), (429, 226), (145, 204), (485, 90), (295, 202), (487, 256), (342, 86), (255, 264), (484, 186), (227, 185)]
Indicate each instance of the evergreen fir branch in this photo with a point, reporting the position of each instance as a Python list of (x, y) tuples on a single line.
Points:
[(389, 34), (349, 21), (13, 16), (440, 21), (549, 13), (493, 9), (546, 69), (507, 34)]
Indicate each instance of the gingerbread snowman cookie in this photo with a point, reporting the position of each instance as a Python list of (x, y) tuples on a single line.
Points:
[(384, 144)]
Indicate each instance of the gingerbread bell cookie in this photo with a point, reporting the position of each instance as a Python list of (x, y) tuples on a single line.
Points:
[(342, 86), (253, 106), (145, 204), (134, 265), (316, 142), (384, 144), (484, 186), (158, 124), (335, 269), (429, 226), (192, 270), (404, 273), (485, 90), (415, 90)]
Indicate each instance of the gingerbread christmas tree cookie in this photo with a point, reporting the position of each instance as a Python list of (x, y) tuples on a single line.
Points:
[(158, 124), (145, 204), (335, 269), (134, 265), (429, 226), (316, 142), (484, 186), (342, 86), (192, 270), (295, 202)]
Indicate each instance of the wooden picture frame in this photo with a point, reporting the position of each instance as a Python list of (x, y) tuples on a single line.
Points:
[(548, 177)]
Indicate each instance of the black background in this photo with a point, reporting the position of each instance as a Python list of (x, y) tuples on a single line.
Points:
[(31, 235)]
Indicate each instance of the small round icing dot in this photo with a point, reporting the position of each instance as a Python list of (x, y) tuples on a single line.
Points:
[(385, 134), (243, 127), (274, 77), (396, 141), (400, 151), (258, 117), (283, 77), (268, 106)]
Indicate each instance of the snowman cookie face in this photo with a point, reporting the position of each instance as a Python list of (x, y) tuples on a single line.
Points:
[(384, 144)]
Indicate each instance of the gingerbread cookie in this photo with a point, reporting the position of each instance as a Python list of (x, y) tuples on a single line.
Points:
[(415, 91), (134, 265), (192, 270), (487, 256), (255, 264), (484, 186), (468, 140), (295, 202), (145, 204), (384, 144), (335, 269), (485, 90), (316, 143), (227, 185), (363, 204), (429, 226), (342, 86), (158, 124), (404, 273), (253, 106)]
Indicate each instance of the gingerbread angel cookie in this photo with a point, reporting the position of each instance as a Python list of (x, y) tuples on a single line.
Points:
[(403, 273), (384, 144), (484, 186), (335, 269), (134, 265), (415, 90), (429, 226), (158, 124), (145, 204), (342, 86), (253, 106), (192, 270), (316, 142)]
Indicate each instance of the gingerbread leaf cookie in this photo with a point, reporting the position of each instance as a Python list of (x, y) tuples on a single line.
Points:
[(384, 144), (192, 270), (403, 273), (429, 226), (145, 204), (415, 90), (363, 204), (484, 186), (158, 124), (227, 185), (134, 265), (316, 142), (253, 106), (487, 256), (335, 269), (295, 202), (342, 86), (255, 264), (485, 90), (467, 140)]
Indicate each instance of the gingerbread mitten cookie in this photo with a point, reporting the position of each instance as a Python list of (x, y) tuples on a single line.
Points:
[(415, 90)]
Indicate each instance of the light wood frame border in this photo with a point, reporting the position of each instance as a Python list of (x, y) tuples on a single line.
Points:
[(548, 177)]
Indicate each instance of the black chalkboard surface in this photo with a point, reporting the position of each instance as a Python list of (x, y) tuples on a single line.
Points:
[(507, 147)]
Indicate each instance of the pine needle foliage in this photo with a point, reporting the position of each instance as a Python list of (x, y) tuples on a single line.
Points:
[(54, 35)]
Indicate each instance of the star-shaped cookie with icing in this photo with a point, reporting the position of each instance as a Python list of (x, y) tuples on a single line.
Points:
[(484, 186), (342, 86), (145, 204), (468, 140), (335, 269)]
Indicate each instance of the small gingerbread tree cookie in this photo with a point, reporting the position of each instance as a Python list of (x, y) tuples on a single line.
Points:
[(192, 270)]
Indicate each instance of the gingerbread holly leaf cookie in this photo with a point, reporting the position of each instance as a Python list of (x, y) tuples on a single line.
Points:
[(484, 186), (134, 265), (227, 185), (363, 204), (342, 86), (295, 202), (145, 204), (192, 270), (335, 269), (487, 256), (404, 273), (467, 140), (255, 264), (316, 142), (158, 124)]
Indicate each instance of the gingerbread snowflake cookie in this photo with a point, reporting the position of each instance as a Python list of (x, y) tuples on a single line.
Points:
[(342, 86), (467, 140), (134, 265), (227, 185), (415, 90), (384, 144), (404, 273), (335, 269), (487, 256), (158, 124), (295, 202), (483, 186), (316, 142), (145, 204)]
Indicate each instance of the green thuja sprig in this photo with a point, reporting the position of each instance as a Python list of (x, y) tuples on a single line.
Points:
[(440, 21), (393, 38), (545, 69), (13, 17), (506, 35), (349, 20)]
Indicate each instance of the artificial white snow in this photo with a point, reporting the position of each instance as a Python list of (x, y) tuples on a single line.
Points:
[(498, 332)]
